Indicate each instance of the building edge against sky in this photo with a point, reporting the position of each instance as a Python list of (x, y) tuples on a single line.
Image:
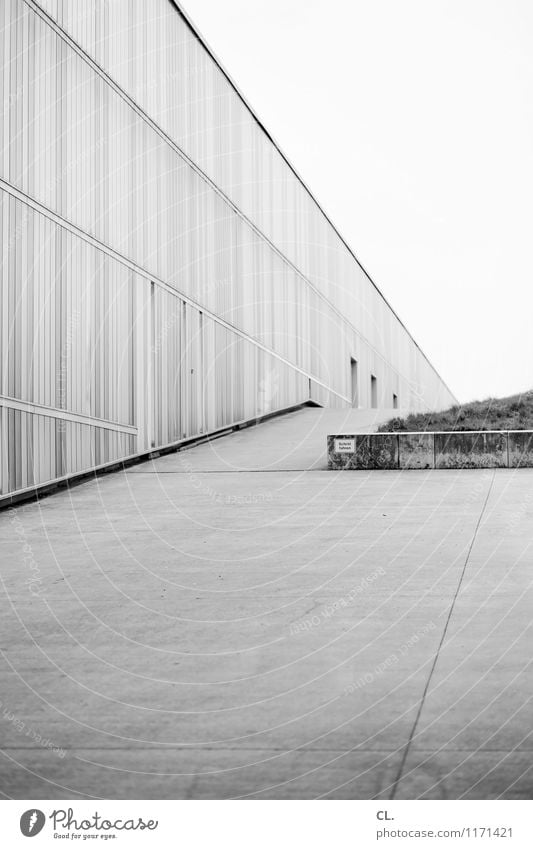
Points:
[(165, 272)]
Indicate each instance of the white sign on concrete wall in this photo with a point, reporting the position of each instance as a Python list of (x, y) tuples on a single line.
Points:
[(344, 446)]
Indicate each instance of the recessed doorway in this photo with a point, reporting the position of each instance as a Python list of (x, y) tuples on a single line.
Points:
[(354, 385), (374, 391)]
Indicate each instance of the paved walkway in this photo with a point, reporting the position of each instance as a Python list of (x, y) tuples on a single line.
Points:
[(235, 621)]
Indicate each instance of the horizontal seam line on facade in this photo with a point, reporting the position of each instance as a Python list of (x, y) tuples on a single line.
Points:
[(67, 415), (152, 278), (162, 747), (165, 137)]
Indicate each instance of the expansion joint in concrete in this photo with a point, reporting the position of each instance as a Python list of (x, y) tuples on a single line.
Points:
[(412, 735)]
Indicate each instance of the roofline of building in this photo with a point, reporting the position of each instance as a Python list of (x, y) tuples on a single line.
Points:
[(203, 41)]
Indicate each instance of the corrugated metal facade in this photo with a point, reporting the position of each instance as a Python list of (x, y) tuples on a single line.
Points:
[(164, 271)]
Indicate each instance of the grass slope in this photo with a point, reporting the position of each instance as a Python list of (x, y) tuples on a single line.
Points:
[(512, 413)]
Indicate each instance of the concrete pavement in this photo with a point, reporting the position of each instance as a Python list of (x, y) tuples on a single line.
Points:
[(236, 621)]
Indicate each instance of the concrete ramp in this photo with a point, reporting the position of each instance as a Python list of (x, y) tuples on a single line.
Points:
[(292, 442)]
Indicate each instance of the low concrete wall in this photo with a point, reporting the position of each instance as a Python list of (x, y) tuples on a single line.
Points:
[(477, 450), (488, 449), (520, 448), (363, 451), (417, 450)]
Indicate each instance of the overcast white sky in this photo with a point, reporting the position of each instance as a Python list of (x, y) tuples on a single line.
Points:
[(412, 123)]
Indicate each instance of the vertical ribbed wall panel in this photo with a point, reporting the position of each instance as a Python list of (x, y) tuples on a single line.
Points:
[(164, 271)]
